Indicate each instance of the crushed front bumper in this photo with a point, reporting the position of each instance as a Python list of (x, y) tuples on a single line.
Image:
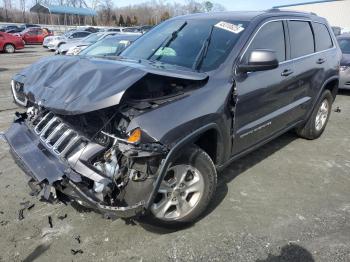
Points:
[(50, 172)]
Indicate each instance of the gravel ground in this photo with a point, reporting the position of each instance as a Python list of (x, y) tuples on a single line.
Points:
[(288, 201)]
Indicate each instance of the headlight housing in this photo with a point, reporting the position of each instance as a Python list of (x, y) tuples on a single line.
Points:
[(17, 91)]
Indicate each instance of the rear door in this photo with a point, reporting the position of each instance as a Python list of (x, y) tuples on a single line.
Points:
[(308, 73), (266, 101), (39, 36), (31, 36)]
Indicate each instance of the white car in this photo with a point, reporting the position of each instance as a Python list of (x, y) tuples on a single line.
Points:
[(55, 42), (74, 47)]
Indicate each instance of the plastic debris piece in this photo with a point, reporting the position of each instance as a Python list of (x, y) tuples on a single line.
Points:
[(62, 217), (20, 214), (337, 110), (78, 251), (50, 221), (77, 238)]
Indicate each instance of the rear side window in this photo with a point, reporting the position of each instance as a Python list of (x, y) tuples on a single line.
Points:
[(270, 36), (322, 37), (301, 38)]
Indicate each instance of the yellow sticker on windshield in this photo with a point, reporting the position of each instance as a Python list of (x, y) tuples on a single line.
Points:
[(230, 27)]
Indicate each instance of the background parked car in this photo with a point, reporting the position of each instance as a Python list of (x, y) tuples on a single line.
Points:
[(109, 46), (344, 43), (14, 31), (10, 43), (54, 43), (75, 47), (7, 28), (35, 35)]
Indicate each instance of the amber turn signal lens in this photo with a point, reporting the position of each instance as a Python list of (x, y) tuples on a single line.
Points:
[(135, 136)]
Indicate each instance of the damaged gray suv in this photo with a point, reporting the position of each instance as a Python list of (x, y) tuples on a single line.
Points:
[(147, 132)]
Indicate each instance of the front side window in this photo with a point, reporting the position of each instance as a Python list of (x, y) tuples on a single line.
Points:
[(322, 37), (270, 36), (344, 44), (301, 38), (181, 43)]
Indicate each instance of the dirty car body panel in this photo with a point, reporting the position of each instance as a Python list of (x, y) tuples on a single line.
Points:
[(84, 113)]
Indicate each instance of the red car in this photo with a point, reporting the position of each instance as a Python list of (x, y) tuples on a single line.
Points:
[(10, 43), (35, 35)]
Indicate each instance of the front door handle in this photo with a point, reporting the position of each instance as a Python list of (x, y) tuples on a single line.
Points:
[(287, 72), (320, 61)]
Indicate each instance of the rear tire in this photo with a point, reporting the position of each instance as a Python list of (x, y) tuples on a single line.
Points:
[(9, 48), (318, 120), (187, 189)]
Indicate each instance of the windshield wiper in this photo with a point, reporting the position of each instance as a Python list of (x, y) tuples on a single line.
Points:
[(167, 41), (203, 51)]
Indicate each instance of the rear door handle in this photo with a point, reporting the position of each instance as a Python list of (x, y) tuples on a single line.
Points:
[(321, 61), (287, 72)]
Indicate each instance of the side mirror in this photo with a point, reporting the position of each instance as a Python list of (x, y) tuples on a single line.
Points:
[(260, 60), (71, 37)]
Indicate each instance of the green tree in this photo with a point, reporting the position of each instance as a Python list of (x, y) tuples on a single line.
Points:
[(208, 6), (121, 20)]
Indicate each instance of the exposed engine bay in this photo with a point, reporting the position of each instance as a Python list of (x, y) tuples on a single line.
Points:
[(102, 164)]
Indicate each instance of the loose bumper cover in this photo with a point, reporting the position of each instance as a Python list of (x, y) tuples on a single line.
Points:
[(50, 172)]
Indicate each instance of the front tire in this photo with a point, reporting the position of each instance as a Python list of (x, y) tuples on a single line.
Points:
[(318, 120), (9, 48), (186, 190)]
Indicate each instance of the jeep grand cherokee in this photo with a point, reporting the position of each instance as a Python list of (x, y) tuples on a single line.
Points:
[(147, 132)]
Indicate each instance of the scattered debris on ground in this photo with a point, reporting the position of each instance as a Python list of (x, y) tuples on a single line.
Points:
[(62, 217), (3, 223), (337, 110), (50, 221), (77, 238), (77, 251), (25, 205), (20, 214)]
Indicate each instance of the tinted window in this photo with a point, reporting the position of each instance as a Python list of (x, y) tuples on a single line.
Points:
[(270, 36), (322, 37), (301, 38), (344, 44)]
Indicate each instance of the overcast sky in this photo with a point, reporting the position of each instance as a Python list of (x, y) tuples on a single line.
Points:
[(229, 4)]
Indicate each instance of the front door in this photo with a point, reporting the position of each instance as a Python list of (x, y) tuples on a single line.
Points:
[(265, 101)]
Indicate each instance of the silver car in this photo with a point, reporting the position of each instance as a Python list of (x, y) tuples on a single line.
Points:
[(71, 36), (344, 43), (74, 47)]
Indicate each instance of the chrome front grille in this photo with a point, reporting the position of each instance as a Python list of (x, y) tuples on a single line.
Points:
[(57, 135)]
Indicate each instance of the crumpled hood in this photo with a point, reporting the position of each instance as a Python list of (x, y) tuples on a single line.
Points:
[(74, 85)]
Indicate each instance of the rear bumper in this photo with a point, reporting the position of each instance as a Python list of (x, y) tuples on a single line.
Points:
[(51, 173)]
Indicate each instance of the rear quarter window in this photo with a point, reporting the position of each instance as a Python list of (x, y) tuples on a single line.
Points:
[(301, 38), (322, 37)]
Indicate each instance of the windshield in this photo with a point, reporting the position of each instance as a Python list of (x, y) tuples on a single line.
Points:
[(93, 37), (180, 42), (344, 44), (109, 46)]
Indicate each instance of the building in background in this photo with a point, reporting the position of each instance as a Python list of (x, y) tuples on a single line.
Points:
[(337, 12)]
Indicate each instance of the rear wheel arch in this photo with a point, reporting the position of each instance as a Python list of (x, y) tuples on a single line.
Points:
[(332, 86)]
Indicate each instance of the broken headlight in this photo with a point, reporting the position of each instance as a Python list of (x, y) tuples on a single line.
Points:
[(18, 93)]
